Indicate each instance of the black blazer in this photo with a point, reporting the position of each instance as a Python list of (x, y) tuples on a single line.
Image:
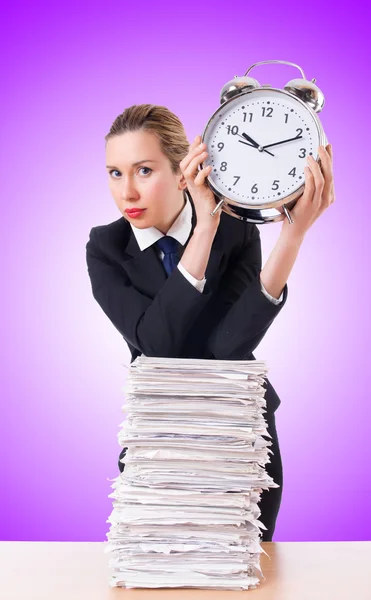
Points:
[(161, 315)]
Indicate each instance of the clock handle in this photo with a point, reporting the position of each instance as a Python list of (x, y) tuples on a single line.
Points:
[(284, 62)]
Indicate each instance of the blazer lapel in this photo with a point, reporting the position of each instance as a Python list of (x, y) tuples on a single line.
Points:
[(145, 268)]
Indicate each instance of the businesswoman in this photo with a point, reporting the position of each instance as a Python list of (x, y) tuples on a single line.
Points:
[(178, 282)]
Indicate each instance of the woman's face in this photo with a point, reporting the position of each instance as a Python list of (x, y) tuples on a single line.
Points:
[(140, 176)]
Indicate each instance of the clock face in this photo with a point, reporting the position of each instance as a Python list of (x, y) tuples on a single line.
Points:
[(258, 144)]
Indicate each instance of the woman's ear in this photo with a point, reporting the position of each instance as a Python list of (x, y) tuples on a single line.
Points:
[(182, 183)]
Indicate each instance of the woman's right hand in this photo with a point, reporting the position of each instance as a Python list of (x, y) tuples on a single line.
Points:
[(203, 197)]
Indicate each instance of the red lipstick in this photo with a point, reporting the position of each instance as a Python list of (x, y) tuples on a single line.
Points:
[(134, 212)]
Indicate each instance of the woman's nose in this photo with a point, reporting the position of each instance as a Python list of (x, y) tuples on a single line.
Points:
[(128, 189)]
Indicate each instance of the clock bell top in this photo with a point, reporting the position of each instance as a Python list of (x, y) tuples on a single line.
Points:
[(305, 90)]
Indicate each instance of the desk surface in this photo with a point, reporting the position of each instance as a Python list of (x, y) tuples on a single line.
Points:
[(79, 571)]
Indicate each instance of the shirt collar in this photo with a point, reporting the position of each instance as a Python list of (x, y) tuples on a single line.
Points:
[(180, 229)]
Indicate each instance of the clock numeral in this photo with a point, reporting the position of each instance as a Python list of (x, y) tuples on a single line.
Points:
[(293, 172), (233, 130), (223, 166), (286, 117), (245, 115), (304, 151), (221, 146), (269, 111), (300, 132), (275, 185), (237, 178), (254, 188)]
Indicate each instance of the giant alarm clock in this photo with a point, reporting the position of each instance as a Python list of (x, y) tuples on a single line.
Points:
[(258, 141)]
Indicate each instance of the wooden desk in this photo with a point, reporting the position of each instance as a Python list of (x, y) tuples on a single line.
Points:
[(79, 571)]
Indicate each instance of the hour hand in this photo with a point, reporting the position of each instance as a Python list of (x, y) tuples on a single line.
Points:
[(254, 143), (249, 139)]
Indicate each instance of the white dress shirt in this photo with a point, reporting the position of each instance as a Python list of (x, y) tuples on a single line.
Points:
[(180, 230)]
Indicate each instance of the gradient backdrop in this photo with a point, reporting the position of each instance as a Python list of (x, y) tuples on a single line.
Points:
[(68, 70)]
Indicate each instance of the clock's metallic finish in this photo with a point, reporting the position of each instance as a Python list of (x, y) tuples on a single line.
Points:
[(257, 142)]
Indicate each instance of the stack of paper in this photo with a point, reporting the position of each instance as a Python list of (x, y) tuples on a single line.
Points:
[(185, 510)]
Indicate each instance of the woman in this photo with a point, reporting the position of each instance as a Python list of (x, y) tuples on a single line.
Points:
[(178, 282)]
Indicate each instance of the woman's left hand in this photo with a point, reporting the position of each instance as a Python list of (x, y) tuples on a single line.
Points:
[(319, 194)]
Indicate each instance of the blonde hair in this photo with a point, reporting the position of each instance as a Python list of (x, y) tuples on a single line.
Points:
[(158, 120)]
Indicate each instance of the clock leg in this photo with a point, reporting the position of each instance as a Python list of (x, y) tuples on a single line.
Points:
[(287, 213), (215, 210)]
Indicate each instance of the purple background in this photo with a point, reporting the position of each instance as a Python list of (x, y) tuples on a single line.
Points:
[(68, 73)]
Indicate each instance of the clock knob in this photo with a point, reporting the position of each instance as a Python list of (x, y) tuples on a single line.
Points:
[(237, 86), (308, 92)]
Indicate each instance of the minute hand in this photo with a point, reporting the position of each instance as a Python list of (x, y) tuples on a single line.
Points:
[(298, 137)]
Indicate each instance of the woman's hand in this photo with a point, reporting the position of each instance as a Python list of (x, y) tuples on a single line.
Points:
[(202, 196), (318, 194)]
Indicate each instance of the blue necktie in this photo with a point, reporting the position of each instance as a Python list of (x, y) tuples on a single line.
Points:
[(169, 246)]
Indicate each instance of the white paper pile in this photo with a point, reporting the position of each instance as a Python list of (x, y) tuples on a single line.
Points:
[(185, 510)]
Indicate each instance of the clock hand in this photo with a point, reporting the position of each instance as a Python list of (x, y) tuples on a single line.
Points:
[(255, 144), (298, 137), (247, 144), (247, 137)]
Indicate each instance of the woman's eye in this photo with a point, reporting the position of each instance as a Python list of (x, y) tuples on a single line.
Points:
[(148, 169), (140, 168)]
